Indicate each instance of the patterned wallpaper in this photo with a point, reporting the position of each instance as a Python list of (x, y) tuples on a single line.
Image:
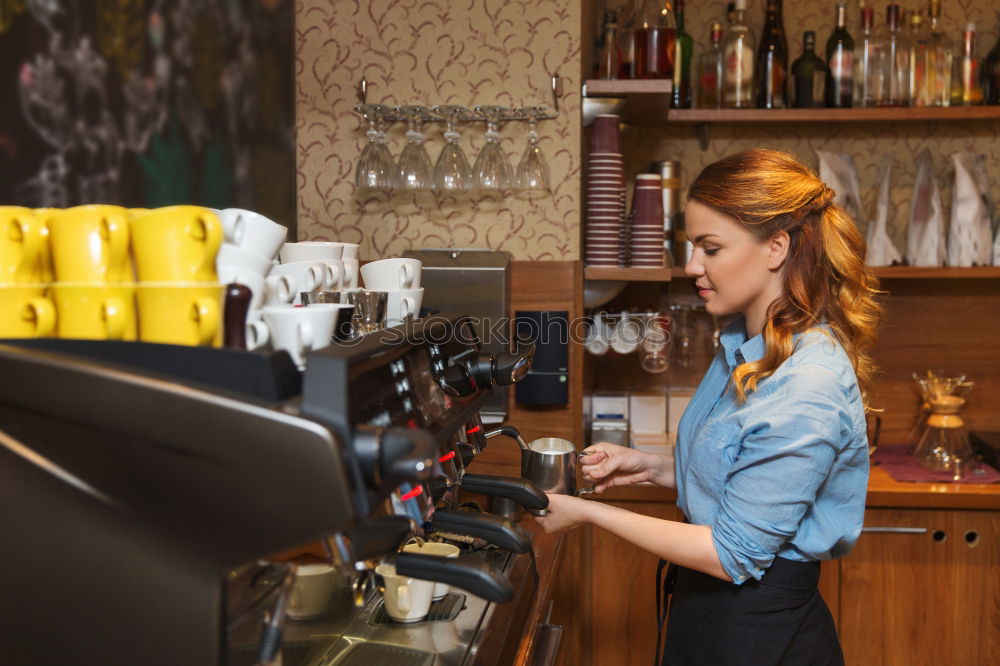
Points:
[(478, 51), (436, 52)]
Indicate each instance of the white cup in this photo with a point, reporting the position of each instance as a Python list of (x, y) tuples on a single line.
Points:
[(351, 273), (311, 590), (252, 231), (272, 289), (307, 276), (438, 550), (334, 275), (406, 599), (391, 274), (626, 336), (257, 332), (402, 304), (233, 257), (312, 251), (598, 336), (299, 330)]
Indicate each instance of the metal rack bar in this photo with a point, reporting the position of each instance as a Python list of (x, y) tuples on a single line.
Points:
[(514, 114)]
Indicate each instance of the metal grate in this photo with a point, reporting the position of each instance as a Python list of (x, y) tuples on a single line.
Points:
[(366, 654), (443, 610)]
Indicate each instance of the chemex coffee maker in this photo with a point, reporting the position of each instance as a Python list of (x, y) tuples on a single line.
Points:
[(145, 489)]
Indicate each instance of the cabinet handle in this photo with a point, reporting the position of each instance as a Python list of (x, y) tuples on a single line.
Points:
[(547, 648), (895, 530)]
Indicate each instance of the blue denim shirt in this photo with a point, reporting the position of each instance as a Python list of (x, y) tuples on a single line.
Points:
[(785, 473)]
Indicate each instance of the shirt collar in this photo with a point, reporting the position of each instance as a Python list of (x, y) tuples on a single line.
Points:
[(738, 348)]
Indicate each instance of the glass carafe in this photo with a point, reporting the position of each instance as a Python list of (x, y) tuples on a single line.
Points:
[(944, 446), (934, 384)]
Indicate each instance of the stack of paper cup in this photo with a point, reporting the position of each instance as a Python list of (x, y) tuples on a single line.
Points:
[(605, 195), (646, 229)]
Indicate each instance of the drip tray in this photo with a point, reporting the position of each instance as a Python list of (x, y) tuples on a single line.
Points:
[(444, 610), (366, 654), (292, 654)]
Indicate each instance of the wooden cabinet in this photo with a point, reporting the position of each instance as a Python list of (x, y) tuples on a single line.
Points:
[(922, 587)]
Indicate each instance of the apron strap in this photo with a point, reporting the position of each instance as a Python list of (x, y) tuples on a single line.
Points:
[(664, 589)]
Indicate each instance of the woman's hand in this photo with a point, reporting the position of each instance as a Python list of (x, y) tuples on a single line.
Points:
[(564, 513), (608, 465)]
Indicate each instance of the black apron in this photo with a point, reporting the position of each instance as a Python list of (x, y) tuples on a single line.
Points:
[(779, 620)]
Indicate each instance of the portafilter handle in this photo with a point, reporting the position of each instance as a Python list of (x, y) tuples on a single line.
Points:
[(477, 578), (519, 490), (494, 529)]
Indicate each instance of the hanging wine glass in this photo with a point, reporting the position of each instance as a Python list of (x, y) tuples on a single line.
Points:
[(414, 162), (375, 169), (532, 169), (492, 170), (451, 171)]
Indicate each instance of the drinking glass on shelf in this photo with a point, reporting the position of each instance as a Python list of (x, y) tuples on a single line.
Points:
[(532, 170), (451, 171), (414, 162), (375, 169), (654, 349), (683, 336), (492, 170)]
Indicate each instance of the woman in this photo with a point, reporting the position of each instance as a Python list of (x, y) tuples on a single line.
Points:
[(772, 456)]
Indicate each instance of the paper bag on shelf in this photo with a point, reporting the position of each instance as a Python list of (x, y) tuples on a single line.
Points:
[(838, 172), (970, 237), (881, 251), (925, 233)]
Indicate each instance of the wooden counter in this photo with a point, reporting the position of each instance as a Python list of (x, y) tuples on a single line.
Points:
[(883, 491), (548, 555)]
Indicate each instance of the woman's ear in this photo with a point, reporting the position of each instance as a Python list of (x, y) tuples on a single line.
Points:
[(777, 250)]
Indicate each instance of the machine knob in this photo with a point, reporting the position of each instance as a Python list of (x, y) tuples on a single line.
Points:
[(393, 455), (407, 454), (456, 381)]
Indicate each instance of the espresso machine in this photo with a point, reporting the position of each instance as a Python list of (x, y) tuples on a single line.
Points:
[(146, 488)]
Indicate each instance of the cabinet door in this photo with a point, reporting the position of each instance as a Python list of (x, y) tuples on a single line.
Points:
[(922, 587)]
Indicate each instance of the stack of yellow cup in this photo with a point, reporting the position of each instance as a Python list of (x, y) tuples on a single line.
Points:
[(25, 311), (88, 255), (179, 297)]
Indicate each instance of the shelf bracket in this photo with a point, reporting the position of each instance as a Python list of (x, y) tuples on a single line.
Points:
[(701, 133)]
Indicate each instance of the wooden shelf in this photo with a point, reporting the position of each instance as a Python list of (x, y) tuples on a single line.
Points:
[(627, 274), (957, 113), (624, 88), (912, 272)]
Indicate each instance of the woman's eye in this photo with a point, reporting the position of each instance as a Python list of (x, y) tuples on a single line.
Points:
[(712, 252)]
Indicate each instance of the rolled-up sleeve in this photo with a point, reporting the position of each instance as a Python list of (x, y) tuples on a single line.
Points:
[(788, 443)]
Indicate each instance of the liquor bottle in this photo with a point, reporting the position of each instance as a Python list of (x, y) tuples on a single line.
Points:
[(939, 59), (737, 59), (609, 61), (809, 73), (894, 62), (626, 33), (971, 90), (684, 46), (654, 40), (710, 71), (917, 43), (839, 62), (772, 60), (730, 13), (868, 81), (990, 78)]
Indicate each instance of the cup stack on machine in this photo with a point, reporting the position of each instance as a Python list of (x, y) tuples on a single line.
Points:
[(190, 275)]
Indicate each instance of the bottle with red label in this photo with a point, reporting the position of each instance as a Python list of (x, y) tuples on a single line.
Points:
[(738, 46), (710, 71)]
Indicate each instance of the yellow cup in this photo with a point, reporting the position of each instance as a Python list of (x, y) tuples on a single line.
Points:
[(20, 245), (95, 312), (90, 244), (176, 244), (25, 313), (180, 314), (46, 269)]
